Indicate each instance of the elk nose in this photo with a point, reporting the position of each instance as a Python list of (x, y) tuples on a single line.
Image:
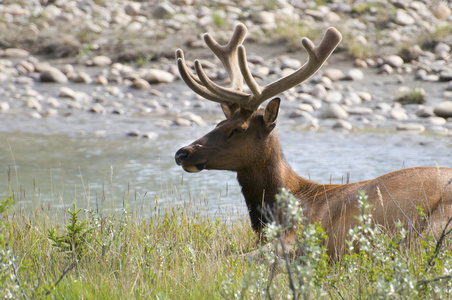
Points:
[(180, 155)]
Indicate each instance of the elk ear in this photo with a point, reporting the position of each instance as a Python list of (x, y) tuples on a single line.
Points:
[(229, 110), (271, 112)]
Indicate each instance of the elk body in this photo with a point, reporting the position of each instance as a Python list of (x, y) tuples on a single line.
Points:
[(246, 143)]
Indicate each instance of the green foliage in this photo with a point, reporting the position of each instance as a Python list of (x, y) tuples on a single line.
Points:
[(429, 39), (416, 96), (178, 253), (219, 18), (76, 239), (376, 266)]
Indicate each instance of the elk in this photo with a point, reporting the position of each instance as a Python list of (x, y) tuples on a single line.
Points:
[(246, 143)]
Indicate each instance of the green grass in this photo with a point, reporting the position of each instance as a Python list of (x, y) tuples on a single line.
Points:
[(178, 254), (415, 96)]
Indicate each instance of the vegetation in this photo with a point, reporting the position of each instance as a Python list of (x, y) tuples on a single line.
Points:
[(178, 254), (416, 96)]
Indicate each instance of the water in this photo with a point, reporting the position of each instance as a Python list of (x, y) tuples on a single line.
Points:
[(110, 173)]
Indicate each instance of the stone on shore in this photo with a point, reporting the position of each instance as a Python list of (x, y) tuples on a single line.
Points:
[(443, 109)]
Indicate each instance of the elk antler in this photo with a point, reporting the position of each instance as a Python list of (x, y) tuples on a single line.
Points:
[(233, 57)]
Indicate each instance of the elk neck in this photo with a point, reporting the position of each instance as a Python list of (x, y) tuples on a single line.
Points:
[(261, 182)]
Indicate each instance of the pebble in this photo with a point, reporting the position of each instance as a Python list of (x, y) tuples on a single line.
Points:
[(182, 122), (16, 53), (354, 74), (334, 74), (98, 109), (399, 114), (394, 61), (52, 74), (158, 76), (334, 111), (163, 10), (411, 127), (342, 124), (101, 61), (443, 109)]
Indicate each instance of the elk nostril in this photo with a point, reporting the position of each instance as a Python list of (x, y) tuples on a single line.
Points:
[(180, 156)]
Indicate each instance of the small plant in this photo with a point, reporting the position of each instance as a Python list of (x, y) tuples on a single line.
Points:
[(76, 238), (429, 39), (416, 96), (219, 18), (358, 49)]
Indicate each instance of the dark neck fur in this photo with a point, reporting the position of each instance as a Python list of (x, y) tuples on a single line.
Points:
[(261, 182)]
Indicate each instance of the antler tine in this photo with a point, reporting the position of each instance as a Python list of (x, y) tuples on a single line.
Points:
[(317, 56), (193, 82), (228, 54), (233, 96), (180, 56)]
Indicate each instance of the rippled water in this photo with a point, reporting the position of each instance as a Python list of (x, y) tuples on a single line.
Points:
[(108, 173)]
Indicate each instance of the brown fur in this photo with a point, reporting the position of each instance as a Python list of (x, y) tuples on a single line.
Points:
[(247, 144)]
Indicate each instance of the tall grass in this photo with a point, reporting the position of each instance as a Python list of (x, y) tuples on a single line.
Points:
[(178, 254)]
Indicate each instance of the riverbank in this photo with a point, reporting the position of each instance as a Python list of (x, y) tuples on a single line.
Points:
[(381, 62)]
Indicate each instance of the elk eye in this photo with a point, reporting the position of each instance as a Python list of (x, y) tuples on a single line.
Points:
[(236, 131)]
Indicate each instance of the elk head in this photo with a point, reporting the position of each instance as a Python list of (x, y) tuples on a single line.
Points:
[(246, 137)]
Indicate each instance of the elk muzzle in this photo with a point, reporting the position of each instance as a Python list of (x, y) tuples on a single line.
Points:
[(185, 157)]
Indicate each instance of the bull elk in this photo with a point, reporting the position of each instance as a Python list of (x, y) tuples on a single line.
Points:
[(246, 143)]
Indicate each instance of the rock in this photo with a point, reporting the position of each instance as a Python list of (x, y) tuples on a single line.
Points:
[(140, 84), (35, 115), (82, 77), (334, 74), (194, 118), (4, 106), (158, 76), (264, 17), (399, 114), (182, 122), (445, 75), (442, 50), (51, 112), (342, 124), (298, 113), (358, 110), (290, 63), (150, 135), (101, 61), (443, 109), (394, 61), (354, 74), (437, 121), (33, 103), (333, 97), (66, 92), (334, 111), (52, 74), (319, 91), (425, 112), (98, 109), (403, 18), (385, 69), (16, 53), (163, 10), (101, 80), (133, 133), (365, 96), (412, 127), (306, 107), (442, 11), (132, 8)]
